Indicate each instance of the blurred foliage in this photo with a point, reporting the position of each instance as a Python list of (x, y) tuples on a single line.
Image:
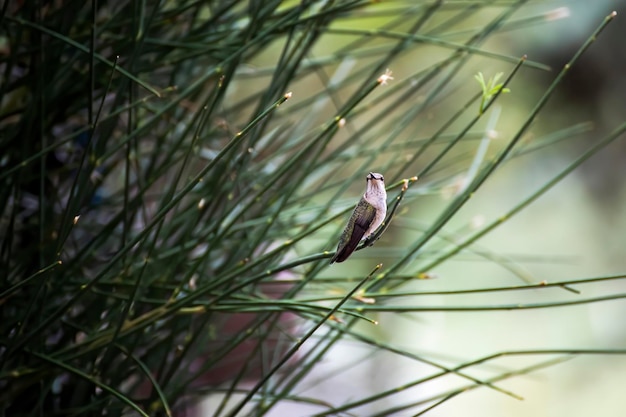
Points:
[(173, 177)]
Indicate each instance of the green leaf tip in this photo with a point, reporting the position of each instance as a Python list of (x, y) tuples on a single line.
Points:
[(490, 88)]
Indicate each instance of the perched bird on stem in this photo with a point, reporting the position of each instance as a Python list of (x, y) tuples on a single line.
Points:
[(367, 216)]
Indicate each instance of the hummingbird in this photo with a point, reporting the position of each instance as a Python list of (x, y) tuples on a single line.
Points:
[(366, 217)]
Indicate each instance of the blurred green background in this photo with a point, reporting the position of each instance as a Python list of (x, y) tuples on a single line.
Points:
[(574, 231)]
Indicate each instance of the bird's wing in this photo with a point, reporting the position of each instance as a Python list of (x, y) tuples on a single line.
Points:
[(361, 222)]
